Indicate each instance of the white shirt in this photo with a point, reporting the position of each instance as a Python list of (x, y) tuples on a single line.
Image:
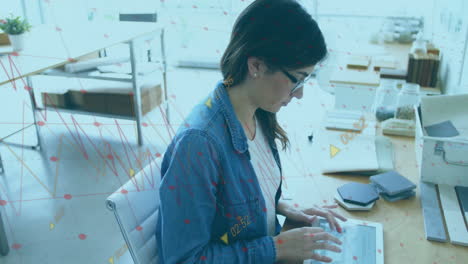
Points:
[(268, 173)]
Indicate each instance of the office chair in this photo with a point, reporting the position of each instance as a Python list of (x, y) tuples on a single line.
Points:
[(135, 206)]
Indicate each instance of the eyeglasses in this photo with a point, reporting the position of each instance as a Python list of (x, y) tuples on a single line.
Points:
[(294, 80)]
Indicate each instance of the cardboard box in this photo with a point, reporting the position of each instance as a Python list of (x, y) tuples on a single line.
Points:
[(117, 100), (443, 160), (56, 99)]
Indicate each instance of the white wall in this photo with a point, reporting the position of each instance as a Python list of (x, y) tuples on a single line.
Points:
[(450, 33)]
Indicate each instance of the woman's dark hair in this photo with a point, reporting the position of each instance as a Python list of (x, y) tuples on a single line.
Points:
[(283, 35)]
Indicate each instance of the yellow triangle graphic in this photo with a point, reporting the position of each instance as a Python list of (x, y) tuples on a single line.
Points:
[(111, 260), (208, 102), (51, 226), (224, 238), (333, 151)]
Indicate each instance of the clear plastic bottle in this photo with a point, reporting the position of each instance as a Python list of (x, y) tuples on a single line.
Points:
[(385, 99), (408, 98)]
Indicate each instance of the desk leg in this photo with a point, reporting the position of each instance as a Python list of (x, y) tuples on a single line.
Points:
[(163, 54), (4, 248), (136, 90), (1, 164), (34, 107)]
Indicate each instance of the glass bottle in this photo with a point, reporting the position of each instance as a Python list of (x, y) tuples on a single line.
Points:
[(408, 98), (385, 99)]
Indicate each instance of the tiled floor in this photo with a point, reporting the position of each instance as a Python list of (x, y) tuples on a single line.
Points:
[(55, 210)]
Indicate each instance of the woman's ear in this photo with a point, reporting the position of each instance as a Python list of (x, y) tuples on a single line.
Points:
[(256, 65)]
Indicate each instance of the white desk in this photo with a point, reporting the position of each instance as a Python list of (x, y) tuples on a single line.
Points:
[(49, 46)]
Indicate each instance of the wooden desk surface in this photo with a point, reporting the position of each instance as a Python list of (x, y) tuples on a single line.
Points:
[(341, 74), (404, 236), (50, 46)]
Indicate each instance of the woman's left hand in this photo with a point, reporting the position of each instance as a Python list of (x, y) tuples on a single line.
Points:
[(310, 214)]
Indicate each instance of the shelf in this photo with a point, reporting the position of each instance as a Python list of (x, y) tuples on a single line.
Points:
[(83, 112), (85, 75)]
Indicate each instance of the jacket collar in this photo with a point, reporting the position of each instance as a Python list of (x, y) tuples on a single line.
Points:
[(238, 137)]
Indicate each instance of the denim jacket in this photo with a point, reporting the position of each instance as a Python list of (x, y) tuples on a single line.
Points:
[(211, 205)]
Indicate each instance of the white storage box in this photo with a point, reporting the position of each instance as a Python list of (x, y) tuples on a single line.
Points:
[(443, 160)]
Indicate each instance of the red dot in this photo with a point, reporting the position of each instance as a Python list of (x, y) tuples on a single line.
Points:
[(83, 91), (244, 249), (16, 246), (15, 54), (380, 251), (139, 228), (67, 196), (40, 123), (280, 241), (311, 235), (82, 236), (187, 221), (97, 124), (228, 215), (27, 88), (264, 209), (110, 156), (53, 158), (199, 153), (401, 244), (354, 257), (158, 154), (124, 191), (202, 258), (171, 187), (144, 124), (3, 202)]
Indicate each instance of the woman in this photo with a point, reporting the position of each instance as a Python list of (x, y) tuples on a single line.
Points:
[(221, 180)]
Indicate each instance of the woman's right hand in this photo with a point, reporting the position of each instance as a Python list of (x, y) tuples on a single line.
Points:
[(298, 244)]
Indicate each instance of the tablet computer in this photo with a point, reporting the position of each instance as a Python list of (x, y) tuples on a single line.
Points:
[(362, 242)]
